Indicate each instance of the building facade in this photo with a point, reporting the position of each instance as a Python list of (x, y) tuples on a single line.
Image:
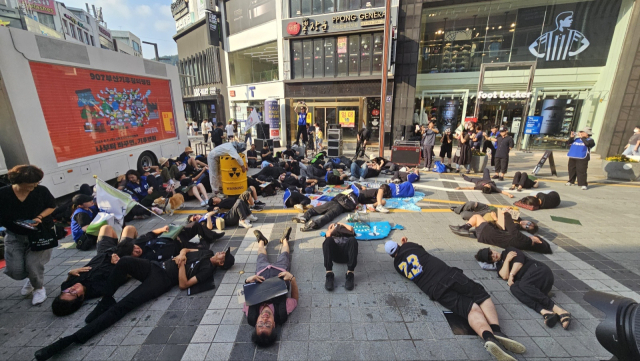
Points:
[(579, 51), (10, 15), (126, 42), (77, 25)]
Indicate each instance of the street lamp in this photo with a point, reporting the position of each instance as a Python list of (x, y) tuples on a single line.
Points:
[(155, 47)]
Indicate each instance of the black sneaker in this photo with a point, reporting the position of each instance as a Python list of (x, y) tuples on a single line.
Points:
[(328, 282), (496, 351), (46, 353), (501, 178), (495, 177), (260, 237), (299, 220), (509, 344), (309, 226), (349, 283), (105, 304), (286, 234), (258, 203), (460, 231)]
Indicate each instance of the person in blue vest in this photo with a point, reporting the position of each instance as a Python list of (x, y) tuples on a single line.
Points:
[(579, 156), (302, 123), (491, 142), (401, 190), (84, 212)]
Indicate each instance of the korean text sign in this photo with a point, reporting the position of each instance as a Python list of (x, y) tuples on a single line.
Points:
[(347, 118), (90, 112)]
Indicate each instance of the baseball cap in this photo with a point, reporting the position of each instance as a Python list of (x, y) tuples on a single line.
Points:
[(391, 248), (504, 129), (79, 199), (229, 259), (587, 130)]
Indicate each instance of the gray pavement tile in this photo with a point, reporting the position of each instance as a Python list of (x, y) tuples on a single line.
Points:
[(219, 351), (212, 317), (113, 336), (430, 349), (267, 354), (191, 318), (551, 347), (149, 318), (244, 333), (196, 352), (100, 352), (341, 331), (300, 315), (136, 336), (159, 335), (376, 331), (204, 333), (397, 331), (171, 352), (171, 318), (419, 330), (320, 315), (405, 350), (124, 353), (376, 350), (340, 314), (474, 348), (226, 333), (358, 331), (320, 331), (182, 335), (242, 351), (293, 350), (295, 332), (47, 336), (534, 328), (75, 352)]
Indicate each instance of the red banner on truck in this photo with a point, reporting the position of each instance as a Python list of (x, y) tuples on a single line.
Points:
[(90, 112)]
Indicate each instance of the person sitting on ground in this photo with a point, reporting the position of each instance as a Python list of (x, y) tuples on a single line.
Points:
[(511, 236), (544, 200), (167, 171), (521, 180), (412, 176), (450, 287), (84, 211), (189, 164), (373, 197), (191, 187), (295, 199), (340, 246), (240, 213), (252, 157), (328, 211), (266, 154), (143, 193), (266, 316), (529, 280), (366, 170), (186, 270), (484, 184), (88, 282), (290, 154)]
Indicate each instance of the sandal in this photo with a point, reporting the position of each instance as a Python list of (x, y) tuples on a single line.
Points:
[(512, 187), (551, 319), (565, 317), (260, 237), (286, 234)]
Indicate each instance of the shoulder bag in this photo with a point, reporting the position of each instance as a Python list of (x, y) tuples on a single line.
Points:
[(43, 238)]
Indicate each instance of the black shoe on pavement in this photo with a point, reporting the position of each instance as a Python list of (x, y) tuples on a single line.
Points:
[(501, 178), (260, 237), (328, 282), (509, 344), (495, 177), (258, 203), (349, 283), (46, 353), (287, 233), (309, 226), (460, 231), (453, 208), (105, 304), (299, 220)]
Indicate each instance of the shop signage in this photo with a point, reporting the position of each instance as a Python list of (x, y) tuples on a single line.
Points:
[(198, 92), (75, 21), (104, 32), (232, 93), (214, 29), (533, 125), (272, 116), (185, 21), (347, 118), (179, 8), (503, 95), (42, 6), (329, 23)]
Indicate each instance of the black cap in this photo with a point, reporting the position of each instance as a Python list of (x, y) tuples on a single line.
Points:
[(229, 260), (80, 199), (504, 129), (484, 255)]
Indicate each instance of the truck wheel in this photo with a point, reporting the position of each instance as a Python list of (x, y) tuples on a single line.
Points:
[(145, 160)]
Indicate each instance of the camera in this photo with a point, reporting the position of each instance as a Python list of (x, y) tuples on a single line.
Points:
[(619, 333)]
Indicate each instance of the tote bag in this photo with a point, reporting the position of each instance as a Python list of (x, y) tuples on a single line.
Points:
[(43, 238)]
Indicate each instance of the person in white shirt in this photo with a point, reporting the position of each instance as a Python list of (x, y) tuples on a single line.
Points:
[(230, 130), (206, 129)]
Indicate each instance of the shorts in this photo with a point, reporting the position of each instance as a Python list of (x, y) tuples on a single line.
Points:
[(262, 262), (86, 242), (445, 151), (480, 228), (462, 294)]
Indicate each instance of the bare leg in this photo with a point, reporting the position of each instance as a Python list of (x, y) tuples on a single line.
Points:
[(489, 310), (194, 192), (129, 231), (254, 194), (108, 231), (379, 199), (477, 320), (261, 248), (285, 246), (476, 220), (203, 191)]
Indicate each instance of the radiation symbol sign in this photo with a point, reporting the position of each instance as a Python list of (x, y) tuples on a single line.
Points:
[(234, 172)]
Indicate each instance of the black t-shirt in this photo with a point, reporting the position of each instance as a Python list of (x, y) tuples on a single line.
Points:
[(520, 258), (227, 203), (368, 196), (480, 186), (289, 153), (372, 173), (197, 265), (511, 237), (95, 281), (549, 200), (252, 153), (364, 134), (425, 270), (504, 145), (264, 151), (216, 136), (11, 209), (342, 231)]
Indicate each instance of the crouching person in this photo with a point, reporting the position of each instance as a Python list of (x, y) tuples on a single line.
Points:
[(270, 313), (340, 246)]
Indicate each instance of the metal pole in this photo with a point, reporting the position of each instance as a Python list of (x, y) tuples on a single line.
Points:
[(155, 47), (385, 69)]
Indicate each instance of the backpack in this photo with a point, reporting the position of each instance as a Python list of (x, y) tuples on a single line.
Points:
[(317, 159), (347, 201), (159, 249)]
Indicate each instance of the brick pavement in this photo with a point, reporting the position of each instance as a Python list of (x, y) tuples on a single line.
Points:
[(386, 317)]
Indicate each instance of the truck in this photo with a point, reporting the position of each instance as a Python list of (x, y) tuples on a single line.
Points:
[(77, 111)]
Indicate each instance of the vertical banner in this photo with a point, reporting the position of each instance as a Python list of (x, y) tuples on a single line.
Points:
[(552, 115), (450, 115), (272, 117)]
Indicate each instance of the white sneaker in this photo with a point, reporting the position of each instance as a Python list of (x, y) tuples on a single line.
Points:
[(584, 188), (299, 208), (252, 218), (27, 289), (380, 208), (568, 184), (361, 179), (203, 203), (351, 179), (425, 169), (39, 296), (245, 223)]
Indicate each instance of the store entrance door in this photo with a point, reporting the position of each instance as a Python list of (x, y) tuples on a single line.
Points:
[(325, 117)]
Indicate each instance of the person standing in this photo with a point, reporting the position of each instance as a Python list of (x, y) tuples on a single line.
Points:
[(362, 136), (446, 145), (247, 136), (26, 201), (633, 147), (490, 142), (579, 156), (477, 140), (318, 137), (463, 154), (302, 123), (428, 142), (504, 145), (217, 134), (206, 129), (230, 130)]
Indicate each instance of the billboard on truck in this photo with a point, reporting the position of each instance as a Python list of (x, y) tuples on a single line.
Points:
[(90, 112)]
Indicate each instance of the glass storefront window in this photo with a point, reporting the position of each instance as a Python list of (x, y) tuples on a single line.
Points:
[(355, 55), (294, 8), (343, 5), (354, 4), (328, 6), (254, 65), (317, 7), (318, 58), (299, 8), (306, 7), (354, 47), (576, 34)]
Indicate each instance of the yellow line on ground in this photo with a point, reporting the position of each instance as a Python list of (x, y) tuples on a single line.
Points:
[(459, 202)]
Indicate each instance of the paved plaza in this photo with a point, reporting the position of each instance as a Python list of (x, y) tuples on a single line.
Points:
[(385, 317)]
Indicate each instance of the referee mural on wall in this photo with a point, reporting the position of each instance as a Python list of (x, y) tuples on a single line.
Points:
[(560, 43)]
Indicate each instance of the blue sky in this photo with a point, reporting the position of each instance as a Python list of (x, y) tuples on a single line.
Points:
[(150, 20)]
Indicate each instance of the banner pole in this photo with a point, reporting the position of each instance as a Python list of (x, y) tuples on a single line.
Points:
[(117, 190)]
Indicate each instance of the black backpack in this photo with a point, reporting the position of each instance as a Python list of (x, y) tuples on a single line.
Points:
[(348, 201)]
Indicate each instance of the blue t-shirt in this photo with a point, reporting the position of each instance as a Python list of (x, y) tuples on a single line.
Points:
[(402, 190), (302, 118), (412, 177)]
